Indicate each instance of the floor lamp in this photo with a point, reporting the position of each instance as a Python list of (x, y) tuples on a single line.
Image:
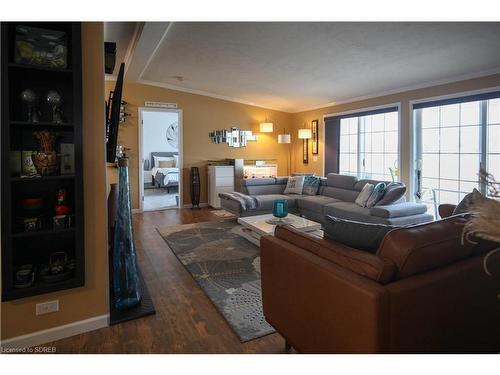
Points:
[(286, 139)]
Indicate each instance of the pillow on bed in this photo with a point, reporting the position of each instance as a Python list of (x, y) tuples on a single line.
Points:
[(176, 160), (157, 159), (166, 164)]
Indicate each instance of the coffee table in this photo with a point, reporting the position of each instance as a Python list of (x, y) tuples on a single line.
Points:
[(254, 227)]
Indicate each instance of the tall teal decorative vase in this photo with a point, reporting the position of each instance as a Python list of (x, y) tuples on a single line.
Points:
[(125, 271)]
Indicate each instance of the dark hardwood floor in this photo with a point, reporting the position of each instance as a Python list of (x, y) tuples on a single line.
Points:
[(185, 320)]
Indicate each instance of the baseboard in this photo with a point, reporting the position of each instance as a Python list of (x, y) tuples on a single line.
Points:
[(56, 333), (205, 204)]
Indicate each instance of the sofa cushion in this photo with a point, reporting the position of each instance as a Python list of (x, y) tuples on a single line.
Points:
[(362, 236), (341, 181), (265, 202), (393, 193), (399, 210), (258, 181), (424, 247), (341, 194), (281, 180), (358, 186), (315, 203), (349, 211), (357, 261)]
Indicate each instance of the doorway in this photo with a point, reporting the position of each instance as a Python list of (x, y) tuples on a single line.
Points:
[(160, 150)]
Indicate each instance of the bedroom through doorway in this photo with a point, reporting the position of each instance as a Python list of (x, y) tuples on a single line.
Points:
[(161, 158)]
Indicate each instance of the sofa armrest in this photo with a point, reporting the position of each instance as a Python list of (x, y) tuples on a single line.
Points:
[(318, 306), (446, 210), (399, 210)]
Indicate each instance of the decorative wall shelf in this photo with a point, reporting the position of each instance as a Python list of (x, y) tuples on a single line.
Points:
[(34, 249)]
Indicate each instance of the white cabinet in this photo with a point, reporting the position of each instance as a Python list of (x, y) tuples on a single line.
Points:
[(220, 180)]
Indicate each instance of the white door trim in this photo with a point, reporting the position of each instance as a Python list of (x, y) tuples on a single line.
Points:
[(140, 110)]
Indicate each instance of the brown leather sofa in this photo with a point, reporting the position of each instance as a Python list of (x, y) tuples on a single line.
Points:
[(422, 292)]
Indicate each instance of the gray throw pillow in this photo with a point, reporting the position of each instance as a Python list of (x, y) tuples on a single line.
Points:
[(393, 192), (311, 185), (377, 194), (466, 204), (361, 236)]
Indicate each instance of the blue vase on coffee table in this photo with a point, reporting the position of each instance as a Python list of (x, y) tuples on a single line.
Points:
[(280, 211)]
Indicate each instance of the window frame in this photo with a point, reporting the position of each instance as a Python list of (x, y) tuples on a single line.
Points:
[(416, 137), (361, 112)]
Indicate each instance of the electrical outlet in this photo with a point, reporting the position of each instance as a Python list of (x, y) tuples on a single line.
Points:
[(47, 307)]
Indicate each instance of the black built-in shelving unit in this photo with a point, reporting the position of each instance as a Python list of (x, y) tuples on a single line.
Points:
[(20, 247)]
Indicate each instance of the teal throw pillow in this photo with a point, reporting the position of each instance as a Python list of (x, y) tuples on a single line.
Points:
[(311, 185), (377, 194)]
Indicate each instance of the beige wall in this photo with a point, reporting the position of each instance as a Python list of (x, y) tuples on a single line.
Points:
[(404, 98), (18, 317), (201, 114)]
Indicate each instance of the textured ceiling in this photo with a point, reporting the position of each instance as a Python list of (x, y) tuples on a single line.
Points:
[(292, 66)]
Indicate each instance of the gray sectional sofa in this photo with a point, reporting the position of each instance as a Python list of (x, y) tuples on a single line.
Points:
[(335, 197)]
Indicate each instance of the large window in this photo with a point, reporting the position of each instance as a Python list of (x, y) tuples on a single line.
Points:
[(454, 139), (369, 146)]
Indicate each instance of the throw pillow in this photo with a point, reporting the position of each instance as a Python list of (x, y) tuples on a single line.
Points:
[(377, 194), (311, 185), (361, 236), (157, 159), (294, 185), (176, 161), (393, 192), (364, 195), (466, 204), (166, 164)]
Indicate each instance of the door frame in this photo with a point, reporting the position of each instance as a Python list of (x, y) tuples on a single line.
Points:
[(140, 130)]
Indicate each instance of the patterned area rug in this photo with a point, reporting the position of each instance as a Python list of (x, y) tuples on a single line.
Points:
[(227, 268)]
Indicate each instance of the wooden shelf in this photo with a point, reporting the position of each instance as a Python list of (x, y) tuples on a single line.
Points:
[(22, 248), (43, 178), (41, 288), (41, 68), (47, 232)]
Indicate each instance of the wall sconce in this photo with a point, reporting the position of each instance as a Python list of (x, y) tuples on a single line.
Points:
[(305, 134), (266, 127), (286, 139)]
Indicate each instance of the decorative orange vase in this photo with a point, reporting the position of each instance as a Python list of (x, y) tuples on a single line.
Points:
[(46, 160)]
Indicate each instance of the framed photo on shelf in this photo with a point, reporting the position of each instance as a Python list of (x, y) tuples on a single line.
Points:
[(314, 131)]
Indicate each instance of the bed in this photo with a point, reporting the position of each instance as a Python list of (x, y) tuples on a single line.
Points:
[(164, 177)]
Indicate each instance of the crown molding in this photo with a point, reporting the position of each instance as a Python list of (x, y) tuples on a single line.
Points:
[(454, 79), (206, 93)]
